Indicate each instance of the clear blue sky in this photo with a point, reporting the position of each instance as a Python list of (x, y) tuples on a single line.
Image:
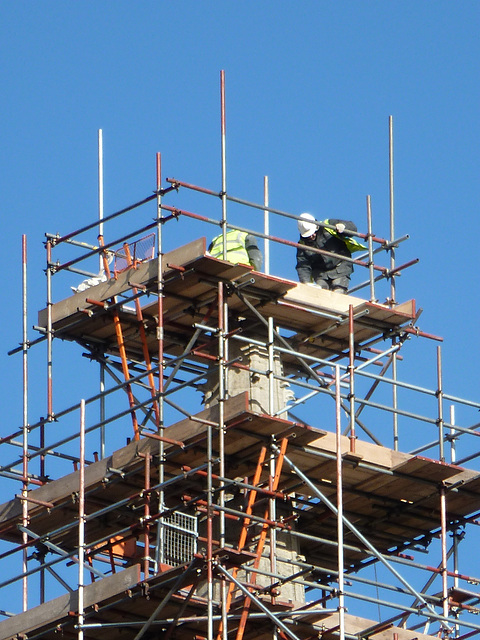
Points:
[(310, 87)]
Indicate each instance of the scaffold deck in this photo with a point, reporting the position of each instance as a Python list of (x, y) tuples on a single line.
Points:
[(317, 318), (391, 497)]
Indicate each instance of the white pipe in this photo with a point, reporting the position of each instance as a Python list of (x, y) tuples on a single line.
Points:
[(81, 522), (266, 225), (341, 596)]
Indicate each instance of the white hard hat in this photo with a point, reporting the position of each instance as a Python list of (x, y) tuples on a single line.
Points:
[(306, 225)]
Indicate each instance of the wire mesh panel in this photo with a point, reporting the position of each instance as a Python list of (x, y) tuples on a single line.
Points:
[(140, 251), (179, 542)]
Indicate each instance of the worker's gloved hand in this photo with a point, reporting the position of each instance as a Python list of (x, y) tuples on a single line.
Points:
[(340, 227)]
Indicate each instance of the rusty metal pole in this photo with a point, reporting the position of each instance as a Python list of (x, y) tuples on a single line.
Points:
[(443, 517), (341, 597), (371, 272), (100, 189), (224, 162), (266, 225), (439, 395), (48, 246), (351, 368), (25, 424)]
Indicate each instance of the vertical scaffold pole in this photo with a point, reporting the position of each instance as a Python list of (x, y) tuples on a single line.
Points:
[(160, 340), (266, 225), (395, 397), (272, 501), (271, 366), (209, 532), (222, 318), (443, 516), (273, 518), (25, 422), (222, 390), (392, 209), (351, 370), (100, 257), (81, 523), (439, 395), (341, 597), (146, 516), (48, 246), (392, 277), (370, 251), (224, 162), (453, 448), (100, 189)]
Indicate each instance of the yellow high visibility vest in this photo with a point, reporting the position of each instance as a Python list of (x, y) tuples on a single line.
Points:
[(236, 250), (352, 244)]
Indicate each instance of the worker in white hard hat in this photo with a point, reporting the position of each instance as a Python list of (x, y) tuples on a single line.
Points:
[(323, 270)]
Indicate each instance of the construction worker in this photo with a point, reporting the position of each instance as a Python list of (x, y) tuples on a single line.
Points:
[(327, 272), (241, 247)]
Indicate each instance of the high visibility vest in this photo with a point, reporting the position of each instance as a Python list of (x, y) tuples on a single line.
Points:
[(352, 244), (236, 249)]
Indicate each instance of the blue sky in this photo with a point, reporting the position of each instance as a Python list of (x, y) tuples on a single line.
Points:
[(310, 87)]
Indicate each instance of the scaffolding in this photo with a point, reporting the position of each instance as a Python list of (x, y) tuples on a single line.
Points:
[(243, 519)]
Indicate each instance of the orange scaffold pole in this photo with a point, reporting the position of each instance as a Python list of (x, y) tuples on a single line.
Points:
[(122, 351), (261, 541)]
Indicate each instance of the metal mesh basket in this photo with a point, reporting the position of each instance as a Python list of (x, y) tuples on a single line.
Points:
[(178, 539), (140, 251)]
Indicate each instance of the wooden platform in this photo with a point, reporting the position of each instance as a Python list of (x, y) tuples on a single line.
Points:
[(124, 599), (316, 319), (389, 496)]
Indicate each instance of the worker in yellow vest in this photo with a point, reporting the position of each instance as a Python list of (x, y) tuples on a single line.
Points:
[(241, 248)]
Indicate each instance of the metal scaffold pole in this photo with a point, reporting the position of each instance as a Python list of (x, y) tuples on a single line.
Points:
[(223, 129), (48, 246), (392, 277), (392, 212), (161, 363), (266, 224), (223, 347), (443, 539), (81, 523), (25, 423), (100, 259), (440, 422), (370, 251), (351, 373), (341, 586)]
